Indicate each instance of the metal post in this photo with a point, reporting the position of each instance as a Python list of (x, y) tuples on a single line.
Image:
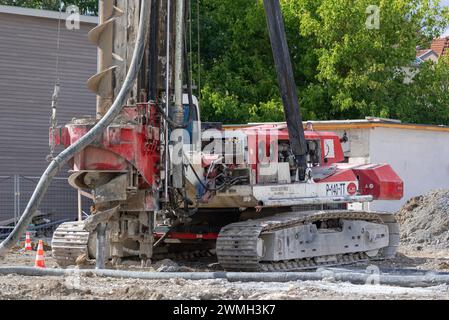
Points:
[(80, 207), (178, 112), (167, 97), (17, 213), (19, 195), (15, 199), (100, 256)]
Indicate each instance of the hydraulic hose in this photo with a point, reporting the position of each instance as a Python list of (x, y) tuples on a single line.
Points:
[(410, 281), (58, 162)]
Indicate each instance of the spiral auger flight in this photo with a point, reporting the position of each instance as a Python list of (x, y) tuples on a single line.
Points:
[(103, 37)]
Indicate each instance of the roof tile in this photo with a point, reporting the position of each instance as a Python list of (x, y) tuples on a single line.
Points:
[(441, 46)]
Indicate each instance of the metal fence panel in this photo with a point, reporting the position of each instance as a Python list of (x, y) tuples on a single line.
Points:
[(7, 198), (59, 203)]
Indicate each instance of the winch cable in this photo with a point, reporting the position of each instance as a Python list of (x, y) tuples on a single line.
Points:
[(59, 161), (57, 88)]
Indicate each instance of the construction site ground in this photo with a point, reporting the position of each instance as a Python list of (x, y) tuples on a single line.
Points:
[(93, 287)]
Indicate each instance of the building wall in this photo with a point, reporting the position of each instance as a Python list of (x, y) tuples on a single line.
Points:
[(27, 78), (421, 159), (357, 149)]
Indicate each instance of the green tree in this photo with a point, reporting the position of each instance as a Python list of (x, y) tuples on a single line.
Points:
[(343, 69), (238, 72), (361, 68), (428, 93)]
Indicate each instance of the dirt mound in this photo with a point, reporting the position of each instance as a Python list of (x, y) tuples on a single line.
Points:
[(425, 219)]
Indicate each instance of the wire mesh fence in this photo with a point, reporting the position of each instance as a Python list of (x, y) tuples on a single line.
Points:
[(8, 209), (59, 203)]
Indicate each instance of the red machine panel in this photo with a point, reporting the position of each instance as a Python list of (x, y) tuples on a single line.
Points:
[(380, 181), (134, 140), (265, 135)]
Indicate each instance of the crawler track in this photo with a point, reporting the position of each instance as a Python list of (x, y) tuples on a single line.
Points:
[(70, 242), (70, 246), (237, 243)]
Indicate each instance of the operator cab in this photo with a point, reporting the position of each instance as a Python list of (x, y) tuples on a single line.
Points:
[(262, 154)]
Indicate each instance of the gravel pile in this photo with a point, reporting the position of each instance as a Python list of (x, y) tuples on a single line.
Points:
[(425, 220)]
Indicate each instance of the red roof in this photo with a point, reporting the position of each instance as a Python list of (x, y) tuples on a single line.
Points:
[(441, 46)]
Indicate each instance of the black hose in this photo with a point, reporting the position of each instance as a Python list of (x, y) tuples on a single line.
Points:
[(153, 55), (58, 162), (186, 69)]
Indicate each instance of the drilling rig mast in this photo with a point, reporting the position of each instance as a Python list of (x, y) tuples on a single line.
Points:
[(279, 204)]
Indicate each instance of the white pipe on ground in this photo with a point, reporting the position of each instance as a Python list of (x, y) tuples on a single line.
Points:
[(410, 281)]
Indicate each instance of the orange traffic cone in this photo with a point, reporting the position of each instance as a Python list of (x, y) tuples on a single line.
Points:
[(28, 242), (40, 260)]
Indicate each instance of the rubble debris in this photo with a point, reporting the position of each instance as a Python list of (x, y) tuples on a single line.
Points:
[(166, 265), (424, 220)]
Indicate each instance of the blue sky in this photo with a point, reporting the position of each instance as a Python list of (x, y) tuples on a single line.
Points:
[(446, 3)]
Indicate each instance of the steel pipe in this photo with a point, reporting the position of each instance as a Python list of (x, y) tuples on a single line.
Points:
[(101, 244)]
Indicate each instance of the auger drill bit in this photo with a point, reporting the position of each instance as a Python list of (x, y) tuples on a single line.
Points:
[(102, 36)]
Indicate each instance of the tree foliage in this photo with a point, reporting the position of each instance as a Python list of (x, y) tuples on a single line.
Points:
[(361, 68), (343, 69), (427, 97)]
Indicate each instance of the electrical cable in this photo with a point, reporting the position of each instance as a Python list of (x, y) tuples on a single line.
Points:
[(233, 182)]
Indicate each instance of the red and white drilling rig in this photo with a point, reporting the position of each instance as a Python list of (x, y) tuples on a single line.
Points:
[(264, 198)]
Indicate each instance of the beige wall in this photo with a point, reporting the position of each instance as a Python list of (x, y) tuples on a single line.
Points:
[(419, 157)]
